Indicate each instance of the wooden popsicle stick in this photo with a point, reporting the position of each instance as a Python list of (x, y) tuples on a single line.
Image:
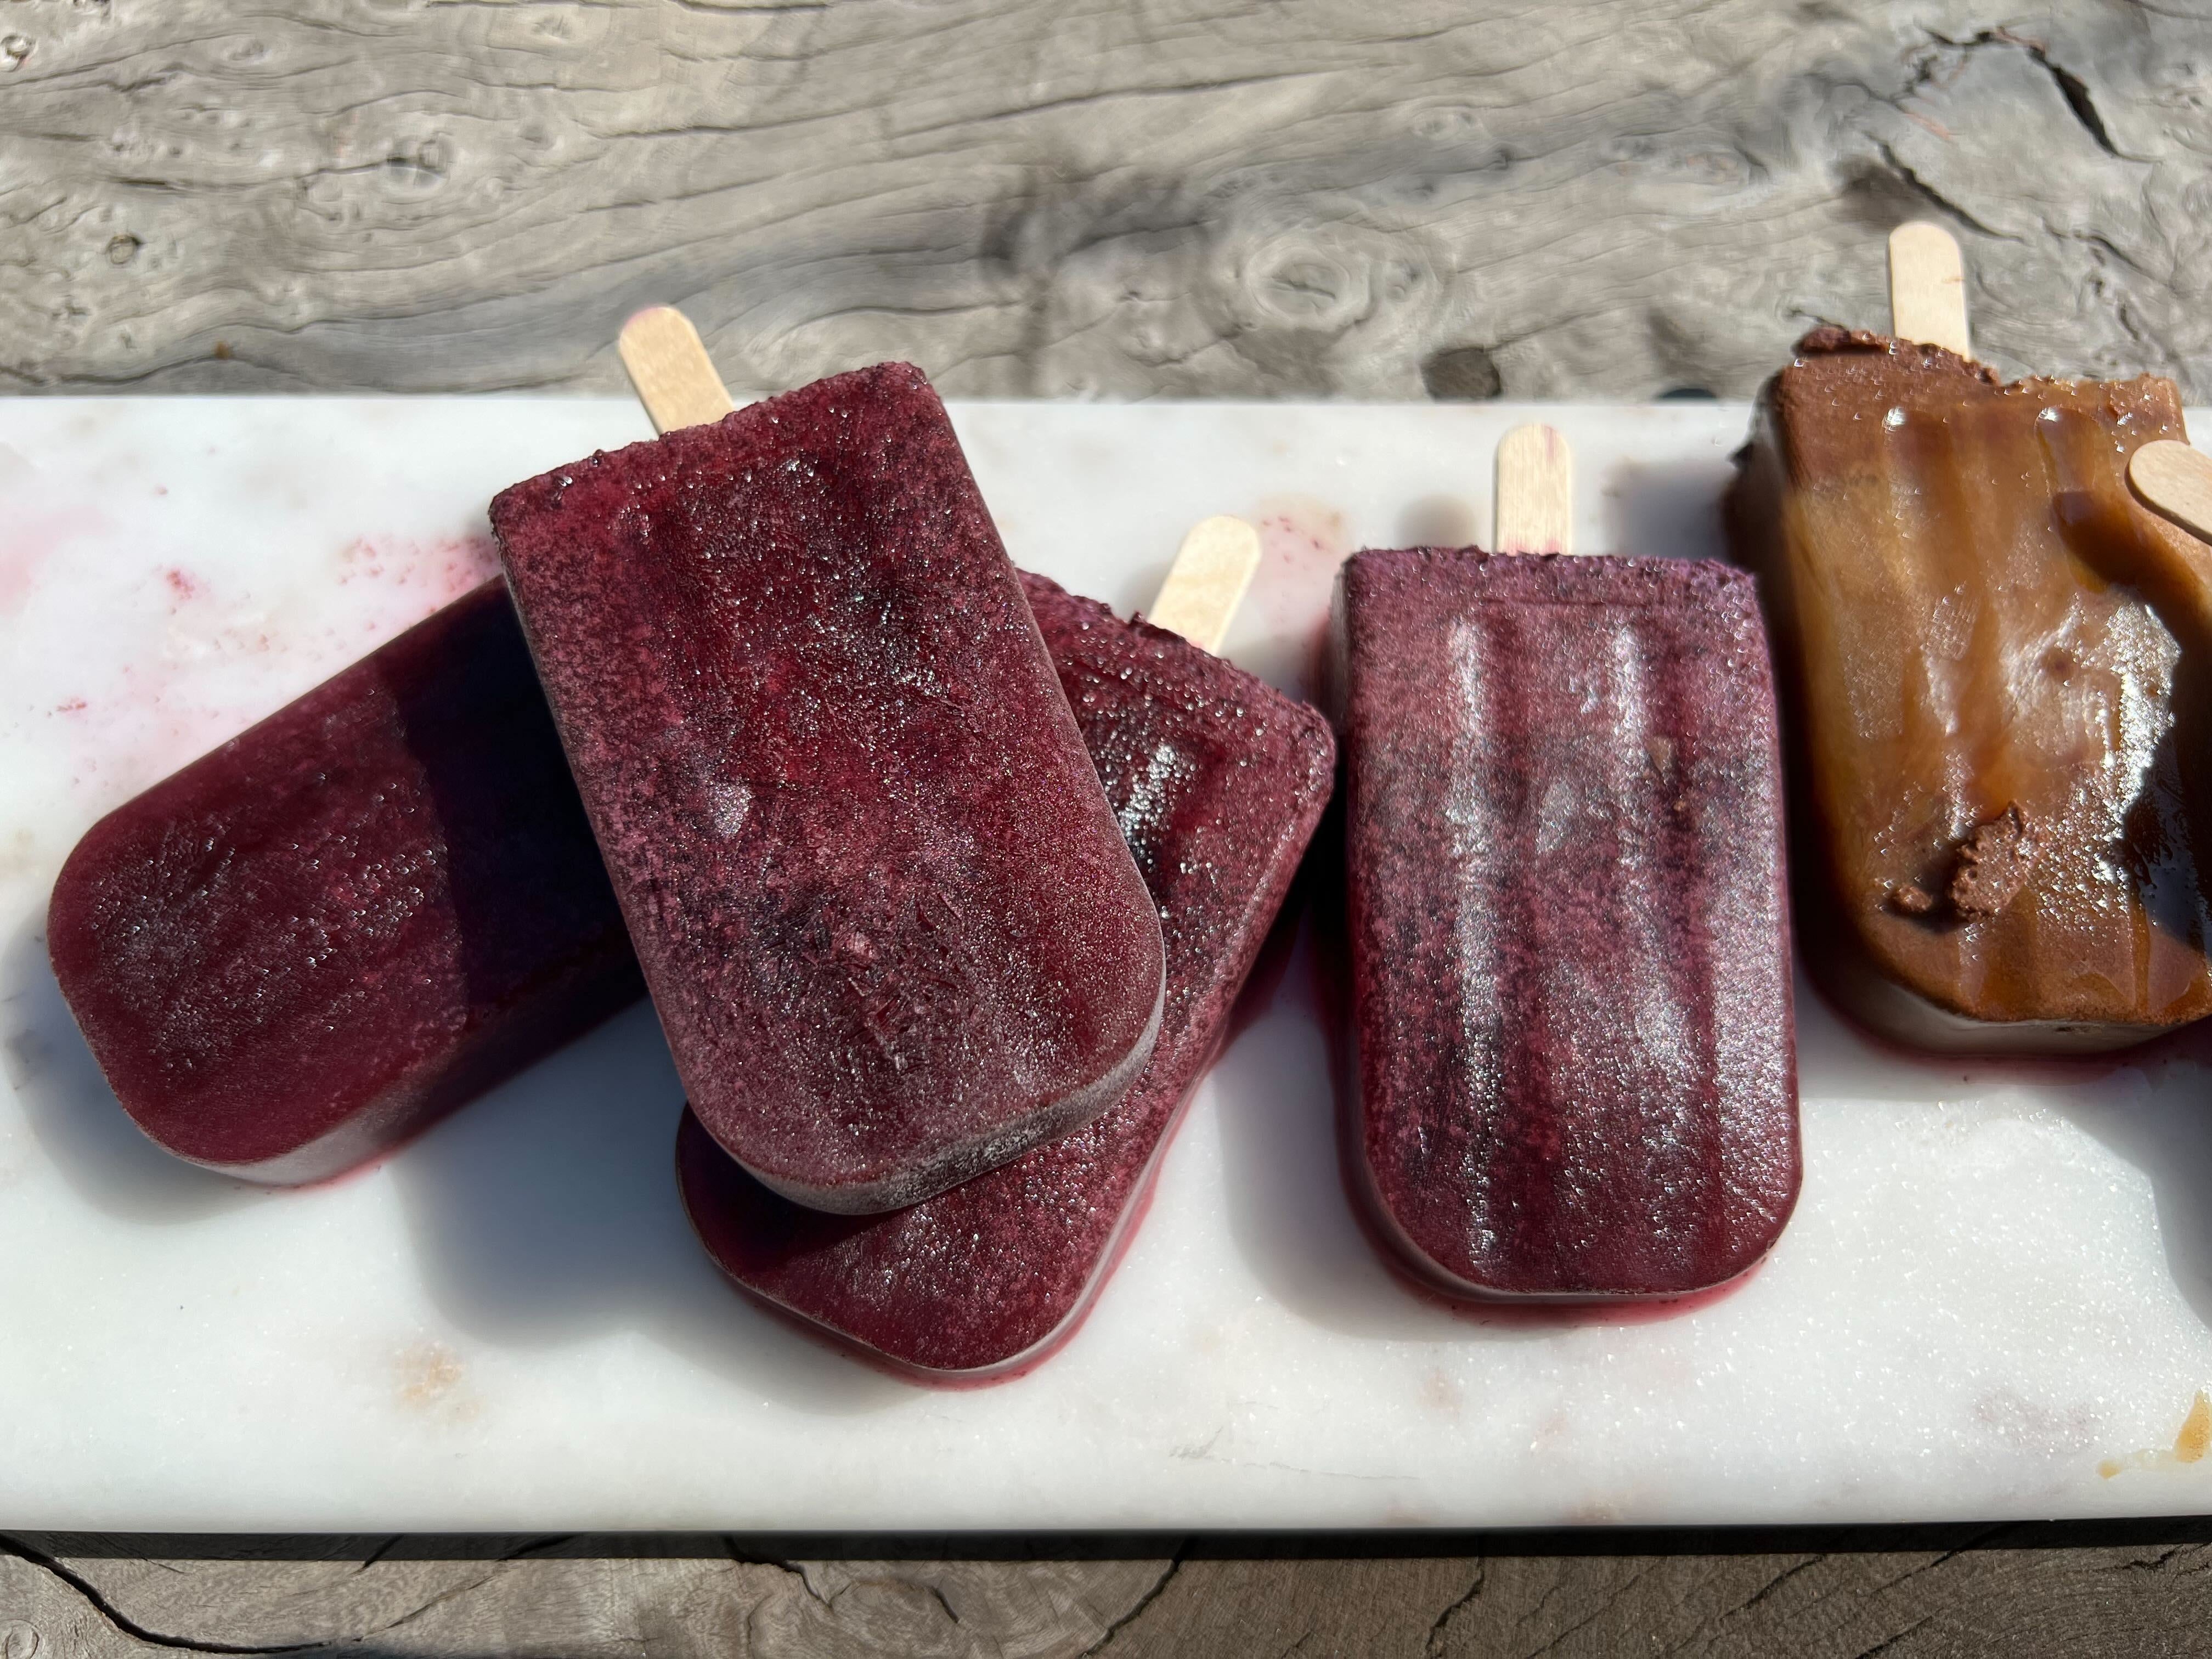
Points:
[(1928, 288), (668, 365), (1208, 581), (2173, 478), (1534, 510), (675, 380)]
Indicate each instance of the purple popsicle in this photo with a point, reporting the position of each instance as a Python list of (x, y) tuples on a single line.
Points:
[(1218, 781), (377, 903), (1571, 970), (892, 931)]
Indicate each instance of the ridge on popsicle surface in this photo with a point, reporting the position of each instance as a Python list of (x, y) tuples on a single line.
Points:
[(1571, 1005), (1218, 782), (892, 931)]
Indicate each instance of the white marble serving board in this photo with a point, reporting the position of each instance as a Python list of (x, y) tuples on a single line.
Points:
[(1999, 1279)]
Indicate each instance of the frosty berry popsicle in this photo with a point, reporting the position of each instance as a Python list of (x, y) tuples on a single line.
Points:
[(1570, 953), (1217, 782), (893, 933), (353, 918), (348, 919)]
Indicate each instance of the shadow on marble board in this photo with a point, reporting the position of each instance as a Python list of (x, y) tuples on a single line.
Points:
[(1439, 520), (2162, 1124), (546, 1213), (2165, 1130), (1138, 589), (1288, 1212), (1280, 1108), (1665, 512), (74, 1116), (1283, 1106)]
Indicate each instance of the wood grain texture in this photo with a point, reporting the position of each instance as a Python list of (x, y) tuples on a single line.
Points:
[(1058, 197), (1125, 198), (1966, 1595)]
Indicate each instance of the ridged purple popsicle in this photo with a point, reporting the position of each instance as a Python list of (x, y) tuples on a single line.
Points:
[(1570, 941)]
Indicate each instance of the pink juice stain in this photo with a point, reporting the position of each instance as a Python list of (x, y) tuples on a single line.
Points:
[(28, 546), (1302, 542), (445, 567), (161, 712)]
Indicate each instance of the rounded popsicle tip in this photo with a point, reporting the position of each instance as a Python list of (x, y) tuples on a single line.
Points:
[(922, 1295)]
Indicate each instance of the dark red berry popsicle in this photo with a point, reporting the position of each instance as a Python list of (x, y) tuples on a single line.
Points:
[(893, 933), (351, 918), (1218, 781), (1570, 969)]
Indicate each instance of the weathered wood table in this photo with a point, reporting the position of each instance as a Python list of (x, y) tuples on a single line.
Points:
[(1192, 197)]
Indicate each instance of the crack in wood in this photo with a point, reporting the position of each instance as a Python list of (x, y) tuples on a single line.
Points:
[(99, 1604), (1434, 1647), (2071, 86), (1141, 1605), (1773, 1585), (1696, 171), (1887, 1642)]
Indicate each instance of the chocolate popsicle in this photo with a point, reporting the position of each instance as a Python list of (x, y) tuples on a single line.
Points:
[(356, 915), (1569, 945), (1992, 664), (893, 933), (1217, 782)]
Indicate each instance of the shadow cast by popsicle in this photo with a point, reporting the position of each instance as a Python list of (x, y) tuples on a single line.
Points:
[(546, 1213), (2164, 1130), (74, 1116), (1666, 512), (1287, 1208), (1281, 1103), (1840, 1058), (1135, 592)]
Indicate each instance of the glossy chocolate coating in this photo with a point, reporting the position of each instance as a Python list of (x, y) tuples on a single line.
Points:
[(350, 919), (1569, 934), (1217, 782), (1992, 663)]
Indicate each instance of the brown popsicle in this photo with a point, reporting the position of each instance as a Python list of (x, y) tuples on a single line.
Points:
[(1993, 665)]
